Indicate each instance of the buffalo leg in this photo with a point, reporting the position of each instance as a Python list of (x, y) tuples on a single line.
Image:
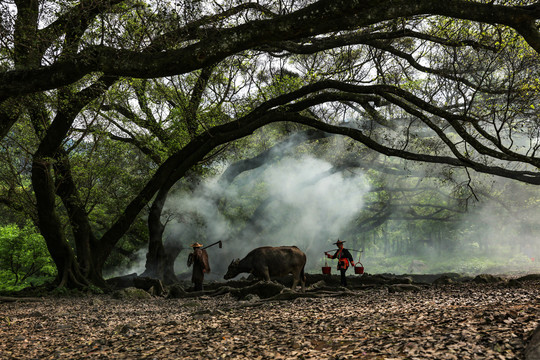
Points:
[(266, 274), (297, 277), (294, 283)]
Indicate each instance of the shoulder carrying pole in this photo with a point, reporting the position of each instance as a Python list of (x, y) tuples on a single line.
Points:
[(347, 249)]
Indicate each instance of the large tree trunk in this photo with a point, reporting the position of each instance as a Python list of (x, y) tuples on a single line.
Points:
[(45, 189), (82, 233), (51, 227), (172, 249), (86, 243)]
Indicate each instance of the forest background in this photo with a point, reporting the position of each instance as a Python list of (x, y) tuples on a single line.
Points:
[(130, 129)]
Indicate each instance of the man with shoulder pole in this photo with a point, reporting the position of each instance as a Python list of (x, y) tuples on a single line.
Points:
[(344, 258)]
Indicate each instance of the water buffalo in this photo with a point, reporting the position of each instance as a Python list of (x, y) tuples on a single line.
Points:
[(267, 261)]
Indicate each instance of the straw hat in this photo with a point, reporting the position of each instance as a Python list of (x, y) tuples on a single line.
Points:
[(339, 242), (195, 245)]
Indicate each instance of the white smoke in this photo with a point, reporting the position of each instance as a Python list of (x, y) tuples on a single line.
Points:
[(136, 265), (305, 205)]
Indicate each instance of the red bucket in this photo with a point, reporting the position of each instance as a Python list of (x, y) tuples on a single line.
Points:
[(359, 269), (326, 270)]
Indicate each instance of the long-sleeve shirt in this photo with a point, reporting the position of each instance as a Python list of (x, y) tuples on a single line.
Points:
[(199, 259), (344, 256)]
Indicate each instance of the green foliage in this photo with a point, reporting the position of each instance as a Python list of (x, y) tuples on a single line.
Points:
[(15, 184), (24, 258)]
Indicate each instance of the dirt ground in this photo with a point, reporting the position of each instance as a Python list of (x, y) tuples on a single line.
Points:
[(458, 321)]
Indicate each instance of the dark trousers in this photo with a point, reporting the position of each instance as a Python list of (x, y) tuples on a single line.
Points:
[(198, 286), (343, 277)]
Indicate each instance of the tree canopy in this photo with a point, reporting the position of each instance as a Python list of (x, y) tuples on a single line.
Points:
[(179, 84)]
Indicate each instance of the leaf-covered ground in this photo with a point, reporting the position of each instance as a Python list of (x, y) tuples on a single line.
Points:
[(459, 321)]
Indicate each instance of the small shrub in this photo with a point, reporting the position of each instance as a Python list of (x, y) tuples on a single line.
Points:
[(24, 257)]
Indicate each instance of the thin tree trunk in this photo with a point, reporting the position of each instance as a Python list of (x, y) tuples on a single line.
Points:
[(160, 257), (155, 264)]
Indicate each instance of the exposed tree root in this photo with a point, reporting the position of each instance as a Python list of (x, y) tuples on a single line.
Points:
[(19, 299)]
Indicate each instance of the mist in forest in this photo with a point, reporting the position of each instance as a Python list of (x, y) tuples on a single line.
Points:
[(504, 229), (498, 234), (301, 201), (296, 201)]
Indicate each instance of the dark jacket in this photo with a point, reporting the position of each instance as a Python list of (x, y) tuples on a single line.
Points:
[(344, 257), (199, 259)]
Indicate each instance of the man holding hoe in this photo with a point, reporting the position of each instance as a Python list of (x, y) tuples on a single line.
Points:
[(199, 259)]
